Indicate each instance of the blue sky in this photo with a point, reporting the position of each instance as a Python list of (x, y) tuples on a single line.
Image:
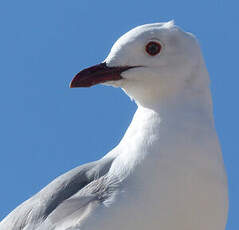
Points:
[(47, 128)]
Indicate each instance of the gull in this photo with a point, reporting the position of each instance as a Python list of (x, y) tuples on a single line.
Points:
[(167, 172)]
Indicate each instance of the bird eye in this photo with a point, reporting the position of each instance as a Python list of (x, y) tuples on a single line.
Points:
[(153, 48)]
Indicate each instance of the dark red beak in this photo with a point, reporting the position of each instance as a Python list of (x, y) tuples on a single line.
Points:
[(98, 74)]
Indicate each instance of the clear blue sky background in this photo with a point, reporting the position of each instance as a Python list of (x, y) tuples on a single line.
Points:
[(47, 128)]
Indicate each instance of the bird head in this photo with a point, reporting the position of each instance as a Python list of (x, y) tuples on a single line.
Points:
[(150, 63)]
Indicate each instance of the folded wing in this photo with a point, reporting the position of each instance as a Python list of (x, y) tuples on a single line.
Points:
[(68, 198)]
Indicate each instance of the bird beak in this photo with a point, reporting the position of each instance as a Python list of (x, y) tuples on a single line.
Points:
[(98, 74)]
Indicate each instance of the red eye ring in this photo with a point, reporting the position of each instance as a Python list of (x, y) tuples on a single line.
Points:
[(153, 48)]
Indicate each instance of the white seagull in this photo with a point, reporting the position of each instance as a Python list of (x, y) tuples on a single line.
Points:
[(167, 172)]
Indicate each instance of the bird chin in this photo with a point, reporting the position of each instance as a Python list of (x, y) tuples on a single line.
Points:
[(115, 84)]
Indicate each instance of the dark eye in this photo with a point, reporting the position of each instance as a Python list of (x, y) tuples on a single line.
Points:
[(153, 48)]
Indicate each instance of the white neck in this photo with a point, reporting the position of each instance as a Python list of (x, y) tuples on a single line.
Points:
[(174, 125)]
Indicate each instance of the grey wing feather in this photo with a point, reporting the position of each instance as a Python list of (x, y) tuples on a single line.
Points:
[(61, 198)]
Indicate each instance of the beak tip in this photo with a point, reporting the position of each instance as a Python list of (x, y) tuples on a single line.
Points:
[(73, 83)]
